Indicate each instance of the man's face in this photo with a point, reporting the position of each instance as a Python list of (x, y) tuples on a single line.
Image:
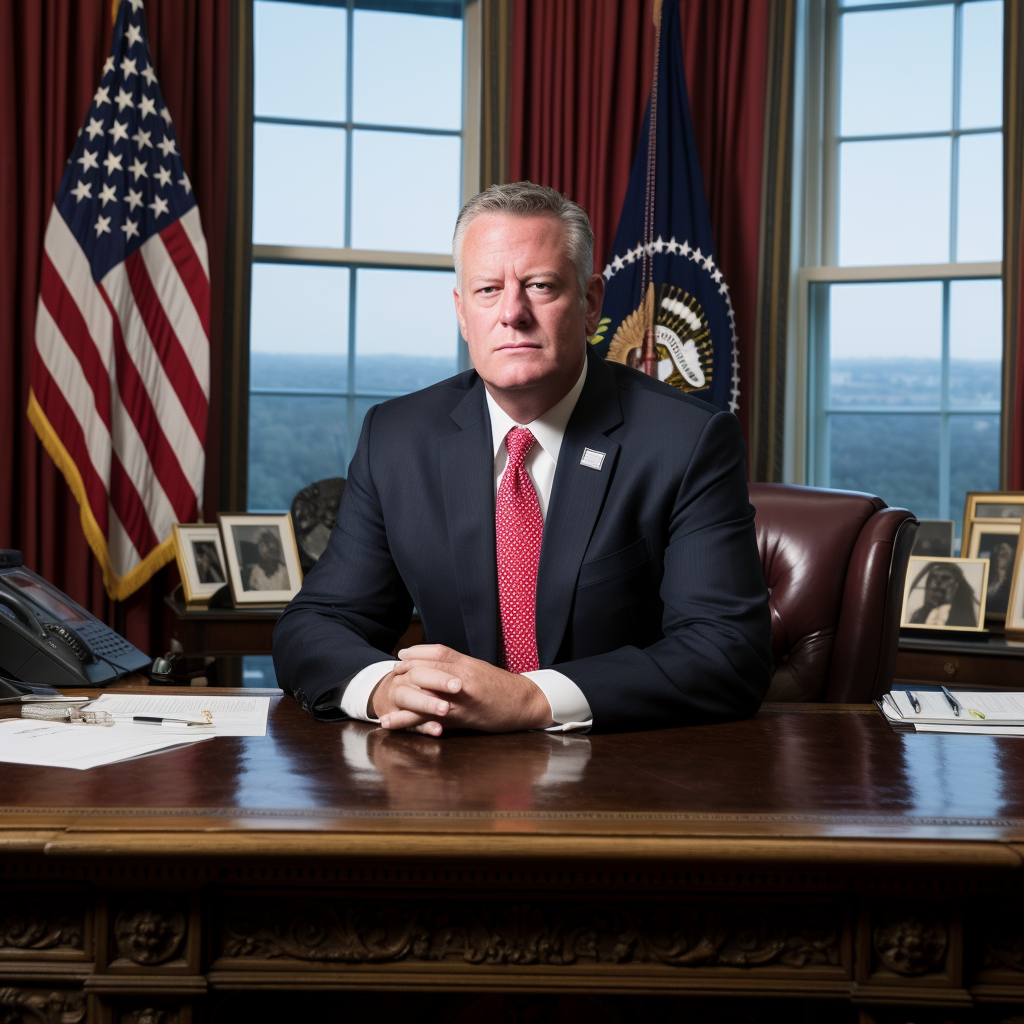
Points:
[(519, 308)]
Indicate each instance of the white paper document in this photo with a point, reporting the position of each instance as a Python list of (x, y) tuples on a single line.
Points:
[(984, 713), (60, 745), (232, 716)]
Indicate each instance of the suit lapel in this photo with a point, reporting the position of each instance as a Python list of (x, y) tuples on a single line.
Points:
[(467, 482), (577, 495)]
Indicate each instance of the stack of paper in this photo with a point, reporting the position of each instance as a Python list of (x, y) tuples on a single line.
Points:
[(64, 745), (983, 713)]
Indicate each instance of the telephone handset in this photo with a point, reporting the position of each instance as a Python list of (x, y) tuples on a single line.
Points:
[(46, 638)]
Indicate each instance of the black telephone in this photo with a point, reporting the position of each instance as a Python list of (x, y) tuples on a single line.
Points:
[(47, 639)]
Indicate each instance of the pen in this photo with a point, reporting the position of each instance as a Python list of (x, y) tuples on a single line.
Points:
[(952, 701), (914, 702), (147, 720)]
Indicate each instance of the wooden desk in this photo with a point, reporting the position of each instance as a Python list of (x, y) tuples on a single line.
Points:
[(990, 663), (806, 865)]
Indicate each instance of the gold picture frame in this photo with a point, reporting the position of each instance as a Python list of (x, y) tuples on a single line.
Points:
[(965, 583), (989, 507), (262, 558), (998, 542), (1015, 607), (200, 556)]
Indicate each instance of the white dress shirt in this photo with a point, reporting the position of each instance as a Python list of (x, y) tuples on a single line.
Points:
[(569, 708)]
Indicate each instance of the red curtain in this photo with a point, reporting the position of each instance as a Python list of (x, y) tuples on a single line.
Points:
[(51, 53), (580, 77)]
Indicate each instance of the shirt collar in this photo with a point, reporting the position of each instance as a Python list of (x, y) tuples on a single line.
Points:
[(548, 428)]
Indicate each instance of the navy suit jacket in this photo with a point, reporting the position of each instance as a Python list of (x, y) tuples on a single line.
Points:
[(650, 592)]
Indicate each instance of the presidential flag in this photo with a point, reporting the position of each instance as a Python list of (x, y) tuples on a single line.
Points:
[(667, 308), (120, 378)]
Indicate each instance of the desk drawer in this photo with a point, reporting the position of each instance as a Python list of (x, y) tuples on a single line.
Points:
[(962, 669)]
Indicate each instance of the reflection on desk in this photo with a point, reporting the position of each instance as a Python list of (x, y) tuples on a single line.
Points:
[(810, 855)]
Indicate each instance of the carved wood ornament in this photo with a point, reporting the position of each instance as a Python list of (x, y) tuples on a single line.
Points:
[(149, 930)]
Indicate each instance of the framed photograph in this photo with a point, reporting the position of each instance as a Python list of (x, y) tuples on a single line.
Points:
[(934, 538), (990, 507), (945, 593), (200, 555), (998, 543), (1015, 606), (262, 558)]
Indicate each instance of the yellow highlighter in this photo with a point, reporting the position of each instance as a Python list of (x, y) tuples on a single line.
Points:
[(976, 714)]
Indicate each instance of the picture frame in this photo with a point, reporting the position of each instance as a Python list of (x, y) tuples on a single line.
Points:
[(262, 558), (990, 507), (998, 542), (1014, 621), (934, 538), (945, 594), (199, 552)]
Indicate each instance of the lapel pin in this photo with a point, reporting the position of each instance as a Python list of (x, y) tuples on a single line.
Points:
[(592, 459)]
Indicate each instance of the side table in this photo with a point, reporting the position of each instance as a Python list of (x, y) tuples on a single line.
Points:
[(991, 663)]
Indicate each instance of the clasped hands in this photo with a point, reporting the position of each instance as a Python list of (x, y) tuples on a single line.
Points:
[(435, 688)]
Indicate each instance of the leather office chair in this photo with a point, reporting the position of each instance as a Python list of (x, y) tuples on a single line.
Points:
[(835, 564)]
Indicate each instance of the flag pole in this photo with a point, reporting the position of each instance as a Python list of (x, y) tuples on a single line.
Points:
[(647, 272)]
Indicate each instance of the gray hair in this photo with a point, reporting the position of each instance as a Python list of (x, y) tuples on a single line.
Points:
[(524, 199)]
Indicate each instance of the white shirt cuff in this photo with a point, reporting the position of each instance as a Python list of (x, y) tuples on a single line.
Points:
[(357, 693), (569, 708)]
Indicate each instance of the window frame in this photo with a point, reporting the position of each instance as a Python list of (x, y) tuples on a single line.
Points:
[(818, 228), (364, 259)]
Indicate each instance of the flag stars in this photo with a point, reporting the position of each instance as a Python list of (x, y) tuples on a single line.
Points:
[(102, 95), (83, 190), (684, 249), (138, 168), (112, 162), (134, 35), (108, 194), (136, 4), (149, 74), (141, 139), (158, 206), (659, 245), (123, 99), (102, 226), (166, 115), (119, 131), (94, 128), (617, 264), (146, 107), (128, 67), (717, 276), (697, 255), (108, 66), (167, 146), (130, 229), (88, 159), (164, 176), (133, 199), (185, 183)]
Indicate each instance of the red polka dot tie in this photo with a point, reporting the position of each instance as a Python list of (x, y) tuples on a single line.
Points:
[(519, 528)]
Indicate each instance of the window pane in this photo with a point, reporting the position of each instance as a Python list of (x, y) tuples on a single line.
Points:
[(298, 185), (981, 77), (975, 343), (405, 191), (894, 202), (895, 457), (299, 61), (885, 344), (391, 357), (897, 71), (407, 70), (973, 460), (299, 327), (293, 441), (979, 231)]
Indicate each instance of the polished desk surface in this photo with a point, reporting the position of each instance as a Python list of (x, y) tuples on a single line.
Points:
[(795, 782)]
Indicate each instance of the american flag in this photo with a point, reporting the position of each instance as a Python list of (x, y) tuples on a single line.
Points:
[(121, 370)]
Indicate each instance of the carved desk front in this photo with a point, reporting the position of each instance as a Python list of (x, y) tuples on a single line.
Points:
[(808, 864)]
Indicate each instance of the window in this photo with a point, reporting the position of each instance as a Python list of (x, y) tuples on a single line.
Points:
[(904, 312), (358, 148)]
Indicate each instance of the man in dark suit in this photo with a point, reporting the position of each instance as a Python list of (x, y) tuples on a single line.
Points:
[(576, 536)]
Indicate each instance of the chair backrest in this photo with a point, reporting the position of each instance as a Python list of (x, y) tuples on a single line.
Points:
[(834, 563)]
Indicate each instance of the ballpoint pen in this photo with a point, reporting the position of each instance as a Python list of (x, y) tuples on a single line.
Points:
[(953, 703), (914, 702), (148, 720)]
